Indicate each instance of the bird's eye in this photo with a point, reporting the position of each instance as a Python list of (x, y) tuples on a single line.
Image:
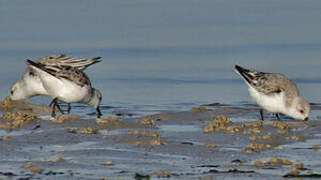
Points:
[(11, 92), (301, 111)]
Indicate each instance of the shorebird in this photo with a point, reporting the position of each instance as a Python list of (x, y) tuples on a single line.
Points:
[(66, 84), (31, 85), (275, 93)]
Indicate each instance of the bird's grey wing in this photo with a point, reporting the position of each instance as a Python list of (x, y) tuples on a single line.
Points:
[(68, 73), (274, 83), (266, 83), (64, 60), (74, 75)]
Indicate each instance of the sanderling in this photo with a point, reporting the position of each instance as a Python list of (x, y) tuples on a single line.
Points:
[(64, 60), (276, 93), (67, 84), (31, 85)]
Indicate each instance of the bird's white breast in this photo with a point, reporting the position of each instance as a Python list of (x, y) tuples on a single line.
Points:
[(272, 103), (63, 89), (72, 92)]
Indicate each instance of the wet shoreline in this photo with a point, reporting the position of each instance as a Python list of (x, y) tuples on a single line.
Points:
[(206, 142)]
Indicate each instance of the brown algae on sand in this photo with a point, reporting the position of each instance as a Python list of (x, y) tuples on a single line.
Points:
[(253, 127), (16, 120), (88, 130), (299, 165), (63, 118), (6, 138), (34, 169), (273, 162), (294, 171), (6, 104), (217, 124), (110, 119), (234, 129), (9, 105), (256, 124), (286, 162), (148, 121), (210, 145), (296, 138), (108, 163), (222, 124), (260, 138), (143, 133), (283, 128), (315, 147), (153, 142), (112, 123), (309, 172), (256, 147), (155, 138), (198, 109), (163, 173), (280, 125), (283, 131)]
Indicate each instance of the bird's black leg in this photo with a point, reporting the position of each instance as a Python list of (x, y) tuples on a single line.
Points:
[(53, 108), (98, 112), (51, 103), (57, 105), (277, 116), (59, 109), (68, 108), (261, 113)]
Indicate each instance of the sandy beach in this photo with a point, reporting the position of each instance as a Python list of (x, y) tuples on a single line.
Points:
[(207, 142)]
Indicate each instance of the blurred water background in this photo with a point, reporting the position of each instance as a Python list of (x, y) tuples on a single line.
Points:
[(166, 55)]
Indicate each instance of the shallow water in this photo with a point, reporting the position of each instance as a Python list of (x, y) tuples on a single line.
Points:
[(161, 56), (167, 55)]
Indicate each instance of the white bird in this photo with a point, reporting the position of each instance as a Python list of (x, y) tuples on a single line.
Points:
[(67, 84), (275, 93), (31, 85)]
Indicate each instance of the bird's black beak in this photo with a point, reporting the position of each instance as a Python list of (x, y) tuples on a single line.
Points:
[(307, 118)]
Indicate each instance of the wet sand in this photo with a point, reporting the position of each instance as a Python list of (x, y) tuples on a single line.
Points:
[(209, 142)]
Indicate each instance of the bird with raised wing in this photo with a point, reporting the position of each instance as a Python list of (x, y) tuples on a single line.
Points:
[(67, 84), (31, 85)]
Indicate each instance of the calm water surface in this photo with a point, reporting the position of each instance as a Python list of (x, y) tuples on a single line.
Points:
[(166, 55)]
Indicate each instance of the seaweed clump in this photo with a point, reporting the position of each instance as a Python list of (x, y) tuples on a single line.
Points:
[(217, 124), (6, 104), (273, 162), (16, 120), (222, 124)]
